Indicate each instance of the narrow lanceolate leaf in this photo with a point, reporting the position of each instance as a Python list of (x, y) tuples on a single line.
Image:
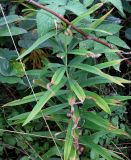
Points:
[(103, 123), (68, 141), (45, 112), (99, 101), (97, 71), (98, 149), (77, 90), (117, 4), (31, 98), (37, 43), (58, 75), (43, 100), (97, 80), (108, 64), (99, 21), (90, 11)]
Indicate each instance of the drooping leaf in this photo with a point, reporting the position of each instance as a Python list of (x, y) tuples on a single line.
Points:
[(96, 71)]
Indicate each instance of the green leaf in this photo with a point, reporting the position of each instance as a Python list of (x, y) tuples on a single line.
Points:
[(117, 41), (45, 112), (37, 43), (113, 56), (14, 31), (88, 3), (96, 71), (97, 80), (99, 101), (58, 75), (76, 7), (30, 98), (111, 28), (87, 29), (77, 90), (100, 150), (100, 20), (10, 19), (117, 4), (43, 100), (43, 16), (68, 141), (103, 123), (90, 11), (108, 64)]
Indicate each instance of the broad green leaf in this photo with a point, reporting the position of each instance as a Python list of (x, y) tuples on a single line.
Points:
[(43, 100), (14, 31), (90, 11), (50, 19), (109, 28), (58, 75), (99, 101), (117, 41), (108, 64), (37, 43), (88, 3), (76, 7), (68, 141), (10, 19), (43, 16), (96, 71), (77, 90), (113, 56), (99, 21)]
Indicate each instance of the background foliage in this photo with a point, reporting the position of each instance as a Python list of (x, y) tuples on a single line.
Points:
[(82, 87)]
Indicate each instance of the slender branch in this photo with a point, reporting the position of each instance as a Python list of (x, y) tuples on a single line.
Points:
[(75, 28)]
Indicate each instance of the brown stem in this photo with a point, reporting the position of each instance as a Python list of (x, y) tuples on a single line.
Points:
[(74, 27)]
